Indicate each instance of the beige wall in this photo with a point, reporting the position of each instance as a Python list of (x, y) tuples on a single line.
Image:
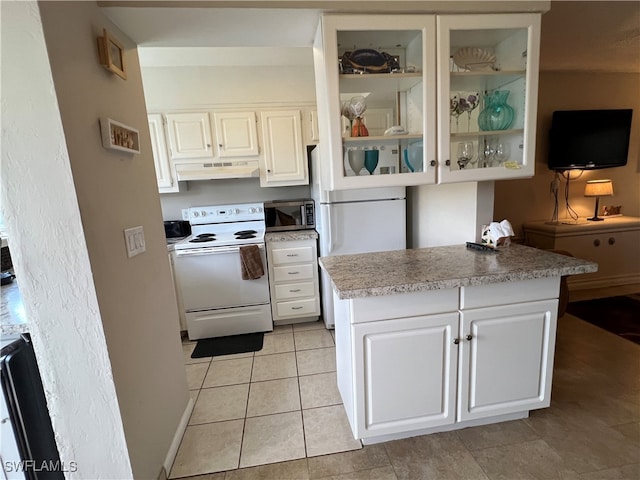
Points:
[(117, 191), (526, 200)]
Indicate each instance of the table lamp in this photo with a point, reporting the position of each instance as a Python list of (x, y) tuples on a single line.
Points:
[(598, 188)]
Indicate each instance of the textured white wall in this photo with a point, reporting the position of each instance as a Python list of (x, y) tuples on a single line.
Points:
[(50, 256)]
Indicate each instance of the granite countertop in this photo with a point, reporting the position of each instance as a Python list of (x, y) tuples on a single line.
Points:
[(12, 317), (436, 268), (290, 236)]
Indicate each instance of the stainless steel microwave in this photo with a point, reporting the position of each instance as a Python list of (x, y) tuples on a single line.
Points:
[(281, 215)]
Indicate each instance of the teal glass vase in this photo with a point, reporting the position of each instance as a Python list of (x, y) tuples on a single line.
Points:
[(497, 114)]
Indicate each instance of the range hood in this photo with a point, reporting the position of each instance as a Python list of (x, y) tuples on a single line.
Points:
[(215, 171)]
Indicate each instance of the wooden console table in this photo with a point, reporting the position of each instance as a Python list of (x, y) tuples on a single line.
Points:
[(614, 244)]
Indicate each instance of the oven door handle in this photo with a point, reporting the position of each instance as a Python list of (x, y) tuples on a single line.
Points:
[(212, 250)]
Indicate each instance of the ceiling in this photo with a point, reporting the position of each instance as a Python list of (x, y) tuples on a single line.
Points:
[(576, 35)]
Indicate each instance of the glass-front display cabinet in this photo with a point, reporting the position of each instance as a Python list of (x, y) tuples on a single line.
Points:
[(487, 96), (376, 78), (419, 99)]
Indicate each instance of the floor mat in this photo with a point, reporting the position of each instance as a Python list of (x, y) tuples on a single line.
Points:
[(619, 315), (213, 347)]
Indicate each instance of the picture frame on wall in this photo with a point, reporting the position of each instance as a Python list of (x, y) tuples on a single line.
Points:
[(111, 52)]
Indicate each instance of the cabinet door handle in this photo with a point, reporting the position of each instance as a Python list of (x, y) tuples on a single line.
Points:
[(296, 308), (612, 240), (456, 341), (293, 273), (294, 290), (469, 337), (292, 254), (447, 163), (596, 242), (432, 163)]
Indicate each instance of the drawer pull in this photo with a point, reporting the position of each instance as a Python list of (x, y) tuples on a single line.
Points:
[(296, 308), (295, 290), (612, 240), (292, 254), (293, 273), (596, 242)]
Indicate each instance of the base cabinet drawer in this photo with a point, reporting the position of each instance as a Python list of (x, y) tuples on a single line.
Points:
[(290, 291), (297, 308), (293, 273), (286, 256)]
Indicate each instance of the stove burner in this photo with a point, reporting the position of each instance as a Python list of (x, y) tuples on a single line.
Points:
[(206, 235), (202, 239), (244, 235), (246, 232)]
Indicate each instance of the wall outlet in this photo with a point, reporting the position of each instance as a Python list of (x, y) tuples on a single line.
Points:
[(134, 241), (185, 214)]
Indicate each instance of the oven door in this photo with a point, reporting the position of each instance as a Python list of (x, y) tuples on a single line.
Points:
[(211, 278)]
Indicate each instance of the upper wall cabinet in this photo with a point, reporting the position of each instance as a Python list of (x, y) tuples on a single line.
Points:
[(236, 134), (443, 81), (284, 161), (189, 135), (165, 174), (487, 96), (379, 67)]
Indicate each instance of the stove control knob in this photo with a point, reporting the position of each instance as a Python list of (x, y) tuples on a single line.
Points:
[(259, 209), (237, 211), (203, 213), (252, 210), (195, 214)]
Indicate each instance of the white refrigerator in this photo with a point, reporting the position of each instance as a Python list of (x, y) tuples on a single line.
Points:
[(355, 221)]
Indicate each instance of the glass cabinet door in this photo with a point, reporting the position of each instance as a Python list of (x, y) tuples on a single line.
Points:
[(487, 93), (379, 111)]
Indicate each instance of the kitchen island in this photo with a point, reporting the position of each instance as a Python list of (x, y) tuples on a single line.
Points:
[(442, 338)]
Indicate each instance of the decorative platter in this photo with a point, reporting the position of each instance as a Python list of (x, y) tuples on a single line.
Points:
[(474, 59)]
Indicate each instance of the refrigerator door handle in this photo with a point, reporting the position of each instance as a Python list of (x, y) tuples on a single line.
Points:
[(329, 230)]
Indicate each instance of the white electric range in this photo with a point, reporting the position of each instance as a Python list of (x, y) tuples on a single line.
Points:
[(207, 265)]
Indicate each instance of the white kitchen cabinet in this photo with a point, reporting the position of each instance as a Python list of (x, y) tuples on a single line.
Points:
[(285, 158), (409, 370), (293, 280), (189, 135), (236, 134), (506, 359), (439, 360), (480, 56), (421, 91), (313, 131), (612, 244), (165, 172), (409, 93)]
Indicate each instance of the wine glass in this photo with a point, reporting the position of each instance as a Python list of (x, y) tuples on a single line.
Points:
[(471, 103), (465, 153), (501, 153)]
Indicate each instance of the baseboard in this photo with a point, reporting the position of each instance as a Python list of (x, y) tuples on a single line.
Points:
[(177, 437)]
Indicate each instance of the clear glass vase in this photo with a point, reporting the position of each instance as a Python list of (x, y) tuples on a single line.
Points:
[(496, 114)]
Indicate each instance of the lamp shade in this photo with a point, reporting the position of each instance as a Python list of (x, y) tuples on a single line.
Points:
[(598, 188)]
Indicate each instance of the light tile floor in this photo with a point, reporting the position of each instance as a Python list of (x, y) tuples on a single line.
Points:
[(590, 432), (279, 404)]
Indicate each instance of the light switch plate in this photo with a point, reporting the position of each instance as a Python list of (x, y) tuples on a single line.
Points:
[(134, 241), (185, 214)]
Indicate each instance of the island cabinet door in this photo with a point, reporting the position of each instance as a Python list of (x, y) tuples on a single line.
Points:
[(406, 374), (506, 359)]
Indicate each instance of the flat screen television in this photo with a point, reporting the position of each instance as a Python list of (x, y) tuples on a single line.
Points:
[(589, 139)]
